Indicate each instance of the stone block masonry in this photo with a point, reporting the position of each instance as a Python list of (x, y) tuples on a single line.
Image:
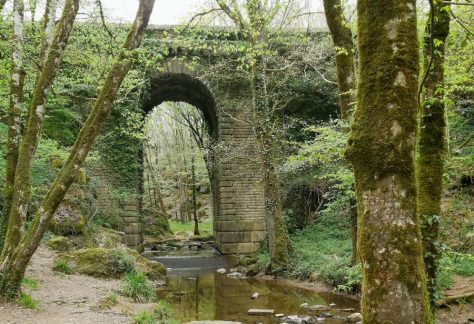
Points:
[(133, 227)]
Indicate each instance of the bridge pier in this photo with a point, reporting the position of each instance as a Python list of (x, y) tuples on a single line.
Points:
[(133, 227)]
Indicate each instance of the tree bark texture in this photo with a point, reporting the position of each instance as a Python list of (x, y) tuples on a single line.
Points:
[(344, 47), (14, 115), (193, 184), (29, 143), (432, 140), (13, 265), (278, 242), (381, 149)]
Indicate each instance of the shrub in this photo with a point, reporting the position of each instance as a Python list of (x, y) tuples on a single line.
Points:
[(120, 262), (136, 286), (108, 301), (28, 301), (163, 311), (161, 314), (62, 265), (144, 317)]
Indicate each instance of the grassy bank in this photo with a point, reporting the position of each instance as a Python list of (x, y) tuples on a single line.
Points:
[(205, 227)]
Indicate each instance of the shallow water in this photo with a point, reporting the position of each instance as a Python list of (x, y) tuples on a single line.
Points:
[(197, 292)]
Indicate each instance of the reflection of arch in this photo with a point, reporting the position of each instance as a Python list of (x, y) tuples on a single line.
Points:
[(183, 87)]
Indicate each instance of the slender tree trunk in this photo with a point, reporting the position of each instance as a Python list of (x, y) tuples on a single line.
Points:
[(381, 149), (346, 80), (14, 115), (156, 188), (277, 239), (29, 143), (193, 179), (13, 266), (48, 29), (432, 142), (344, 46), (2, 4)]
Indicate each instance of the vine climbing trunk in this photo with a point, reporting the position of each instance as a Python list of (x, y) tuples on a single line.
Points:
[(346, 80), (432, 139), (13, 265), (381, 149), (344, 47), (278, 243), (30, 140), (14, 116)]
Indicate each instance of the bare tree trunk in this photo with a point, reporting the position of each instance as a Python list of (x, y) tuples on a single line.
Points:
[(29, 143), (14, 115), (432, 142), (13, 265), (156, 188), (193, 179), (2, 4), (344, 47), (382, 149)]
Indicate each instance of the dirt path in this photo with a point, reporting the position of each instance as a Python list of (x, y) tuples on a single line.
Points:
[(63, 299)]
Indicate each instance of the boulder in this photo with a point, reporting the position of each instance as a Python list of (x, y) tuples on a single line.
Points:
[(155, 223), (103, 262), (105, 238), (59, 243), (67, 220)]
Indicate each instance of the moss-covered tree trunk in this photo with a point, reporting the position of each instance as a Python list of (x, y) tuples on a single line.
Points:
[(381, 149), (30, 140), (13, 266), (344, 47), (278, 243), (432, 140), (14, 115)]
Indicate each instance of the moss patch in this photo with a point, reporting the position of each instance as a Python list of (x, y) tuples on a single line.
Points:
[(59, 243), (99, 262)]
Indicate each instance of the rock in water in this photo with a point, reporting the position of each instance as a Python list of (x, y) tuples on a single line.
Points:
[(255, 295), (318, 308), (260, 312), (354, 317), (221, 270), (295, 319), (235, 274)]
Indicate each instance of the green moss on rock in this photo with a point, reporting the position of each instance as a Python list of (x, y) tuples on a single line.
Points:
[(100, 262), (59, 243), (103, 238)]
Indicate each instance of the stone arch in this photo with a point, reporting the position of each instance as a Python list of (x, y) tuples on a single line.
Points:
[(186, 88)]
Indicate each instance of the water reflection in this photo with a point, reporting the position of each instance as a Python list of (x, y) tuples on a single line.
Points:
[(213, 296)]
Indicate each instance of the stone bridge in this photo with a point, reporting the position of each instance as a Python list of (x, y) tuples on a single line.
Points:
[(238, 199)]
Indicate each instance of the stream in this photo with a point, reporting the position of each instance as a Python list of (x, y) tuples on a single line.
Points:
[(196, 291)]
